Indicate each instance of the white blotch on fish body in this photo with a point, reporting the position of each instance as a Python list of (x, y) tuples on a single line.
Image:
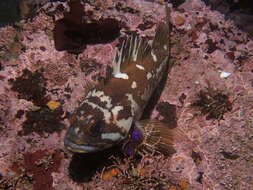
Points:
[(103, 98), (149, 75), (159, 69), (153, 55), (140, 67), (134, 105), (106, 112), (125, 123), (134, 85), (111, 136), (115, 112), (121, 76)]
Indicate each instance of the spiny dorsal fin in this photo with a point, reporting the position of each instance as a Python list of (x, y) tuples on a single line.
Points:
[(161, 42), (161, 37), (132, 50)]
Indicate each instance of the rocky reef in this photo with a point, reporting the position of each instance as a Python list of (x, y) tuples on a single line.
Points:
[(46, 62)]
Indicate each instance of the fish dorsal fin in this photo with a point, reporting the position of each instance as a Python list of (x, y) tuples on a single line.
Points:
[(132, 50), (135, 49), (161, 37), (161, 42), (160, 45)]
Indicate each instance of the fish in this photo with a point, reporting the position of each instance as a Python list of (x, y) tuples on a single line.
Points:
[(110, 112)]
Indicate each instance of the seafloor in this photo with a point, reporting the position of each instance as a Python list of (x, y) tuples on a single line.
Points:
[(208, 94)]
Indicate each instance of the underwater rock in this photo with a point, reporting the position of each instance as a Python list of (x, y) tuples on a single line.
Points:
[(219, 125)]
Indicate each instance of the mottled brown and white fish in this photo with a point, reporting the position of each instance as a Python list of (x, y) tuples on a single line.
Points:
[(110, 110)]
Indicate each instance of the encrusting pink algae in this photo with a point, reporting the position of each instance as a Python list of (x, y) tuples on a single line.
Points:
[(208, 95)]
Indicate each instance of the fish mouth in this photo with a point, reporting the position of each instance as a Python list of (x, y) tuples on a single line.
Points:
[(73, 147)]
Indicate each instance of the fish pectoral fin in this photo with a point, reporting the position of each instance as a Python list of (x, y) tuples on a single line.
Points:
[(158, 136)]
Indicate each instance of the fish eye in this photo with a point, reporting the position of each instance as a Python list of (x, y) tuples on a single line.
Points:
[(96, 128)]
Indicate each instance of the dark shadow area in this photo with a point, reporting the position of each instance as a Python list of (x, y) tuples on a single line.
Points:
[(73, 32), (241, 12), (9, 12), (13, 11), (84, 166), (168, 112)]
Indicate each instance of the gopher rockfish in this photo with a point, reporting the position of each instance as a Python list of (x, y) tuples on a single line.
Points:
[(110, 112)]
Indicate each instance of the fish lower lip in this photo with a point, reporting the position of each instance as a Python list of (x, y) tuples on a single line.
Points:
[(78, 148)]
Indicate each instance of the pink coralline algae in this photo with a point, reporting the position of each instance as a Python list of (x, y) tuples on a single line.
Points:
[(208, 95)]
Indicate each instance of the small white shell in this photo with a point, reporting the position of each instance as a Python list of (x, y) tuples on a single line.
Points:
[(224, 74)]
